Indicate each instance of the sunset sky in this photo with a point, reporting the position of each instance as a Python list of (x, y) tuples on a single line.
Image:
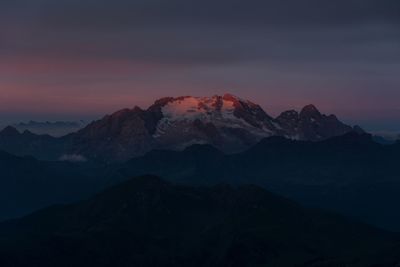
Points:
[(73, 59)]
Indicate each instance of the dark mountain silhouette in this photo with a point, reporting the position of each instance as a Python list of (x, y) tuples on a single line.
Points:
[(57, 128), (227, 122), (44, 147), (384, 140), (350, 174), (311, 125), (27, 184), (149, 222)]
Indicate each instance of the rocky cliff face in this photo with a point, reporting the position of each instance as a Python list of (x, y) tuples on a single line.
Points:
[(227, 122), (310, 124)]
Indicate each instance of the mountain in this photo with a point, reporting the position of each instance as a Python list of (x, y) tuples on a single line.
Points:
[(311, 125), (227, 122), (121, 135), (56, 129), (27, 184), (350, 174), (27, 143), (149, 222), (384, 141)]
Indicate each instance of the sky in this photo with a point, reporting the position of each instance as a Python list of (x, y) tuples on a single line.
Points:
[(81, 59)]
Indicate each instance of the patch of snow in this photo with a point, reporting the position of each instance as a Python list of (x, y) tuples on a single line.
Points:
[(188, 109)]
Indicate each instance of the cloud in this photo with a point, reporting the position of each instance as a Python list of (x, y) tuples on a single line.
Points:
[(138, 13), (100, 55), (184, 33)]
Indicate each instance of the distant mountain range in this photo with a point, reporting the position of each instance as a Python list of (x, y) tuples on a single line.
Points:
[(227, 122), (27, 184), (43, 147), (56, 129), (350, 174), (204, 213), (149, 222)]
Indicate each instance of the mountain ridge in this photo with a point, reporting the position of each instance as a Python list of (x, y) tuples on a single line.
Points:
[(54, 128), (147, 221), (227, 122), (342, 174)]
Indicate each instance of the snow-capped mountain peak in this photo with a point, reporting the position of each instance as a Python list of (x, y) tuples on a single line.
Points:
[(222, 113), (191, 108), (226, 122)]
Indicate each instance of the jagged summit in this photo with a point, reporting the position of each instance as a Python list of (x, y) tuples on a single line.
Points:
[(56, 128), (192, 103), (227, 110), (226, 122), (309, 109)]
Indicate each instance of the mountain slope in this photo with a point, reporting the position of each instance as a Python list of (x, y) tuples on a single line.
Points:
[(227, 122), (121, 135), (148, 222), (27, 184), (56, 129), (311, 125), (350, 174), (43, 147)]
